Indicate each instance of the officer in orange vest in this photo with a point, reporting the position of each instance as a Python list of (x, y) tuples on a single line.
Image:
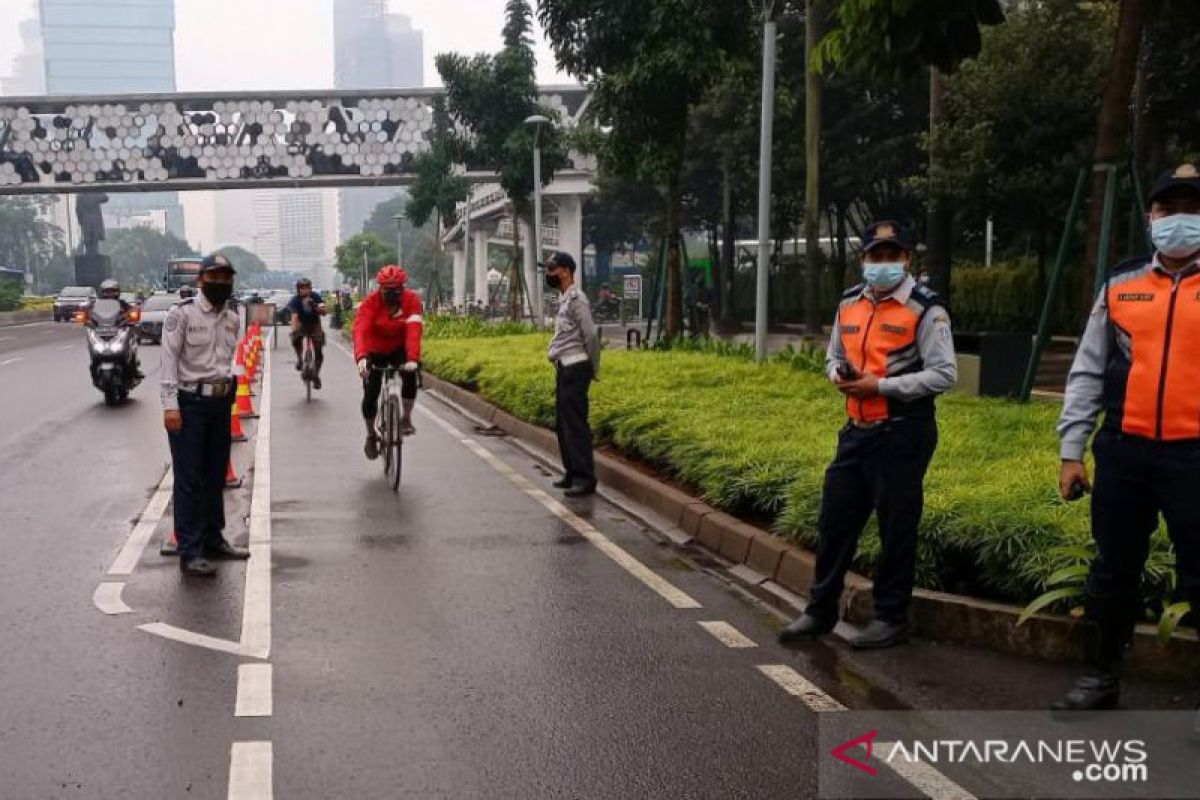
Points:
[(1138, 363), (891, 353)]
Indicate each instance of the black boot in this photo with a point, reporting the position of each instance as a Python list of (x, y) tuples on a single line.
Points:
[(1109, 631)]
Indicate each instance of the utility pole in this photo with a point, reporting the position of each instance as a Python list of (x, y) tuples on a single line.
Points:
[(765, 148)]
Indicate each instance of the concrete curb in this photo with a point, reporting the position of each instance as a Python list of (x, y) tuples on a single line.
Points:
[(761, 559), (21, 317)]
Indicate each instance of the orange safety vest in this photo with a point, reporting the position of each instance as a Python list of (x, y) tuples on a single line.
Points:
[(881, 338), (1152, 375)]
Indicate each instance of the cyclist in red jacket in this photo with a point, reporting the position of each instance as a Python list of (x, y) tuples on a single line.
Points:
[(387, 331)]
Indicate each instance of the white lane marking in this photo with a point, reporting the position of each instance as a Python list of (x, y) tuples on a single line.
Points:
[(8, 361), (182, 636), (664, 588), (797, 685), (138, 538), (70, 346), (107, 598), (256, 604), (250, 766), (728, 635), (254, 697), (923, 777), (7, 338)]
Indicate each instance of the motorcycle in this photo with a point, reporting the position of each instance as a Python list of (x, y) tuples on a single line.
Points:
[(113, 347)]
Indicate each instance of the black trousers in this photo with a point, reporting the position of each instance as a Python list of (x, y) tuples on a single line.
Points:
[(571, 421), (1136, 480), (374, 381), (199, 457), (880, 469), (318, 336)]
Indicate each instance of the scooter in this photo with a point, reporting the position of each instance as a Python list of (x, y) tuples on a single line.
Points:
[(113, 347)]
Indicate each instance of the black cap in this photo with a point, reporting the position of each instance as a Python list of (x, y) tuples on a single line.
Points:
[(1185, 176), (560, 260), (216, 262), (886, 231)]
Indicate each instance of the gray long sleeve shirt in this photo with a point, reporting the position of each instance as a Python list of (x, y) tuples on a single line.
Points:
[(575, 333), (935, 347), (198, 343)]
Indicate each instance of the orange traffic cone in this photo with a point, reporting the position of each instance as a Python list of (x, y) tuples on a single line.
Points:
[(169, 545), (235, 425), (232, 481), (244, 408)]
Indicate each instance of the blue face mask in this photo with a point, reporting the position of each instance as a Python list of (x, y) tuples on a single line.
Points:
[(883, 275), (1177, 235)]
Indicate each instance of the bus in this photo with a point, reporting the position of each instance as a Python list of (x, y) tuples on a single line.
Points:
[(182, 272)]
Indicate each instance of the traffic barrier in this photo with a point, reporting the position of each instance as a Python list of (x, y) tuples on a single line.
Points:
[(232, 479), (235, 425), (244, 407)]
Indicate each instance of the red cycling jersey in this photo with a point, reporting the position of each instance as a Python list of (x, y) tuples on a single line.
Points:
[(378, 330)]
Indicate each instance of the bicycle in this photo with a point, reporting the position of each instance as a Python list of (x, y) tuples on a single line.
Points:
[(309, 369), (387, 425)]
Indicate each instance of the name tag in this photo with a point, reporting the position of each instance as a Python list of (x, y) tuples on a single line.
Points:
[(851, 328), (1136, 297), (893, 328)]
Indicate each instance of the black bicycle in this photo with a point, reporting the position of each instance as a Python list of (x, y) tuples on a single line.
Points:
[(308, 371), (387, 425)]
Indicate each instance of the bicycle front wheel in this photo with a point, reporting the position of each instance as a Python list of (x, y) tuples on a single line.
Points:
[(393, 444)]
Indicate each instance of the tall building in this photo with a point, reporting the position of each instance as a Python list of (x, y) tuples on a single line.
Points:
[(372, 49), (292, 230), (28, 75), (113, 47)]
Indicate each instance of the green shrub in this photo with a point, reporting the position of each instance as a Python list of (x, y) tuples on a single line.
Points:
[(755, 441), (454, 327), (10, 295)]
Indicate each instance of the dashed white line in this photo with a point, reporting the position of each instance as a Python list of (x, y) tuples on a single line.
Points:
[(798, 686), (250, 767), (669, 592), (107, 598), (922, 776), (254, 694), (728, 635), (8, 361), (70, 346), (127, 559)]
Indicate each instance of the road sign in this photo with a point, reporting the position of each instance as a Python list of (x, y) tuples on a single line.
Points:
[(633, 287)]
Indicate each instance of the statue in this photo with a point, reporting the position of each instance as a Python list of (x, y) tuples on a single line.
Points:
[(91, 221)]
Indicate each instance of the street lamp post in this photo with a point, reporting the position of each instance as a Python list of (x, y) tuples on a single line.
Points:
[(399, 239), (764, 181), (363, 290), (537, 121)]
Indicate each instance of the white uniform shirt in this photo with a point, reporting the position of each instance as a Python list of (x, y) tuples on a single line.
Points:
[(198, 343)]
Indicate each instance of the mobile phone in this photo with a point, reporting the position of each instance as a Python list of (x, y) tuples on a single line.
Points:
[(847, 372), (1077, 491)]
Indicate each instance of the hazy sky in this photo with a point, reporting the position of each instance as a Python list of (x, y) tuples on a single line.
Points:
[(288, 44)]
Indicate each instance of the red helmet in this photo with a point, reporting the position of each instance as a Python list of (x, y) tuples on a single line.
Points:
[(391, 277)]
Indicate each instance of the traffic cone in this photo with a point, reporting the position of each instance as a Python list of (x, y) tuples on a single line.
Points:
[(235, 425), (232, 481), (244, 408), (169, 545)]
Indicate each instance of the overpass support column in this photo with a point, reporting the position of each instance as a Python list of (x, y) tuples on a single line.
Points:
[(460, 276), (531, 253), (481, 263)]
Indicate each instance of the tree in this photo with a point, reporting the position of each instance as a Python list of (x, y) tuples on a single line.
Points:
[(419, 242), (648, 62), (437, 190), (29, 241), (249, 266), (140, 255), (348, 258)]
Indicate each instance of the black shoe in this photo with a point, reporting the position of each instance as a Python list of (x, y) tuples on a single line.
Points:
[(371, 448), (565, 482), (226, 552), (581, 489), (316, 382), (805, 628), (1098, 690), (200, 567), (880, 634), (299, 365)]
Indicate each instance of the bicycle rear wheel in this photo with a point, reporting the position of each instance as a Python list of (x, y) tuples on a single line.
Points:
[(393, 443), (309, 369)]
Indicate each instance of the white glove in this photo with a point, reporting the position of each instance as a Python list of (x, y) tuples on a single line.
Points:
[(363, 368), (411, 366)]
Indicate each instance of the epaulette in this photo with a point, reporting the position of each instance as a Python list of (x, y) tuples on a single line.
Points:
[(854, 291), (1129, 265), (926, 296), (186, 301)]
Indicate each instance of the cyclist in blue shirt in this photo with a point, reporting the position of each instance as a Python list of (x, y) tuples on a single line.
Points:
[(307, 308)]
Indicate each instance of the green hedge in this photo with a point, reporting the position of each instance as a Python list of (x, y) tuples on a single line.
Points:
[(10, 295), (755, 441), (1008, 297)]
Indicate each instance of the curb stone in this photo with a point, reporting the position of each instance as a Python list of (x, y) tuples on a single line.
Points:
[(934, 615)]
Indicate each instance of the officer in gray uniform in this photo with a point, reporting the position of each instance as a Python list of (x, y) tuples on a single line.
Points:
[(575, 354), (199, 338)]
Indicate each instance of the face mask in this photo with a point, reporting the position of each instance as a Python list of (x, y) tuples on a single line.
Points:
[(553, 282), (1177, 235), (391, 296), (883, 275), (217, 293)]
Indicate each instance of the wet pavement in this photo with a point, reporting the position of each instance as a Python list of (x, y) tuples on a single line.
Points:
[(462, 638)]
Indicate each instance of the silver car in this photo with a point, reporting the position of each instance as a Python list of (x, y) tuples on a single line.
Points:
[(154, 314)]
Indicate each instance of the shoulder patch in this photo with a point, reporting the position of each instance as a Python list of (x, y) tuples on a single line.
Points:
[(172, 323)]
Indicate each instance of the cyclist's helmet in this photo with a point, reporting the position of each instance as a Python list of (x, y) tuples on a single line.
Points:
[(300, 284), (391, 277), (110, 289)]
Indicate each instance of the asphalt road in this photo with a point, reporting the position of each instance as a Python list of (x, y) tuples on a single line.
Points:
[(469, 637)]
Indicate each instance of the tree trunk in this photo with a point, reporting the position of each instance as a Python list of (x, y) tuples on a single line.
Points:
[(839, 276), (1112, 126), (728, 243), (517, 273), (673, 326), (813, 31), (940, 223)]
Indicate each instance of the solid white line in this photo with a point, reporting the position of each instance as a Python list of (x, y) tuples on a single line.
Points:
[(7, 338), (924, 777), (254, 698), (797, 685), (664, 588), (6, 362), (728, 635), (107, 598), (256, 604), (128, 558), (182, 636), (71, 346), (250, 765)]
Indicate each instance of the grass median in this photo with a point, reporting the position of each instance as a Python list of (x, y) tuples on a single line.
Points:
[(755, 440)]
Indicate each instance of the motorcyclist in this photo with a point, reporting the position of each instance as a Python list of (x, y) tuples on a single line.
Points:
[(307, 308), (111, 290), (387, 331)]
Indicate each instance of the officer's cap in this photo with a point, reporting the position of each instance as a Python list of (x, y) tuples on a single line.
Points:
[(886, 231), (216, 262), (1185, 176), (560, 260)]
